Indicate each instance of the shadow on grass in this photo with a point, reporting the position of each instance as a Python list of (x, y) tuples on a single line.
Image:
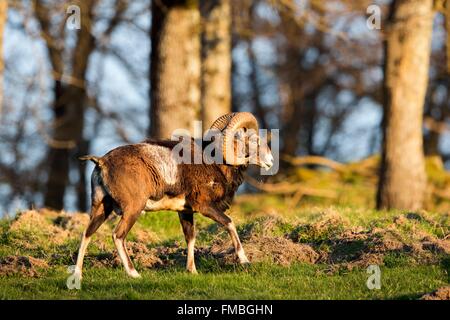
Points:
[(412, 296), (445, 264)]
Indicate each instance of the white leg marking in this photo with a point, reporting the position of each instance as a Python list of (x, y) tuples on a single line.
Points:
[(124, 258), (237, 243), (81, 252), (242, 257), (190, 258)]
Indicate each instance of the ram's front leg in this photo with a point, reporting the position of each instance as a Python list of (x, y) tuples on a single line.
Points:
[(237, 243), (187, 223), (226, 221)]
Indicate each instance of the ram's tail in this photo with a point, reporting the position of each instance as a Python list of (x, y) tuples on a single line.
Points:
[(94, 159)]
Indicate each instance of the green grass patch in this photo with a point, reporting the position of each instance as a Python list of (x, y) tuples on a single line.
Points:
[(260, 281), (166, 224)]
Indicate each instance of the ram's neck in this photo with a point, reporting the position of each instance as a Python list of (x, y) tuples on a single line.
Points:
[(233, 174)]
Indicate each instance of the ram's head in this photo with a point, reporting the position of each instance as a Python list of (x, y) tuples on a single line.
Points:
[(241, 140)]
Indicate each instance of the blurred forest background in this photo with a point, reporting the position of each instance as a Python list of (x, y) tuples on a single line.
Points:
[(313, 69)]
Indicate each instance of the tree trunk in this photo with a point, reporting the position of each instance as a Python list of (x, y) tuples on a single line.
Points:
[(216, 60), (3, 18), (175, 66), (68, 123), (292, 119), (256, 92), (310, 125), (407, 52), (82, 198), (68, 110)]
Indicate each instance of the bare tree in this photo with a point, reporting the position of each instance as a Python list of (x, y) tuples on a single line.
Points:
[(437, 104), (216, 59), (3, 18), (69, 97), (175, 66), (408, 46)]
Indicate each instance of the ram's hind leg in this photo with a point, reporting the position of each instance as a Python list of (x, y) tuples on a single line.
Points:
[(99, 212), (123, 227), (187, 223), (226, 221)]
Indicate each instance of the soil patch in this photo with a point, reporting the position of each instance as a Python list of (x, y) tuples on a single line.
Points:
[(440, 294), (25, 265)]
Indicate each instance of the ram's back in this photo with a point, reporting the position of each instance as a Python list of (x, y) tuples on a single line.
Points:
[(134, 173)]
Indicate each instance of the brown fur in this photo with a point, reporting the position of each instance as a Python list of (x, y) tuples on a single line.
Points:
[(128, 176)]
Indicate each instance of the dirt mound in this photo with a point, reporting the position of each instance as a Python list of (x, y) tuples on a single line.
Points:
[(143, 256), (264, 226), (40, 229), (143, 236), (434, 245), (330, 240), (280, 250), (74, 223), (50, 223), (363, 248), (21, 264), (404, 238), (138, 252), (265, 239), (32, 229), (329, 224), (440, 294)]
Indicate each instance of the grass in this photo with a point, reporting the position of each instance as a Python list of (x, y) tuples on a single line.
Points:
[(298, 281), (318, 225)]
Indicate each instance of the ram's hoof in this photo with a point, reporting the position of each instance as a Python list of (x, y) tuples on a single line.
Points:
[(134, 274), (192, 271)]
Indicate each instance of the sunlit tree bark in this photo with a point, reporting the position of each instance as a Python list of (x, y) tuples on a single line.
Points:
[(175, 66), (216, 59), (408, 46)]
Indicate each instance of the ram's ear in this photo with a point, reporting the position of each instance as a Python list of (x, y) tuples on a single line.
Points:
[(241, 134), (236, 151), (240, 143)]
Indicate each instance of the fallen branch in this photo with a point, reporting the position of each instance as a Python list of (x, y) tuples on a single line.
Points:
[(315, 160), (288, 188)]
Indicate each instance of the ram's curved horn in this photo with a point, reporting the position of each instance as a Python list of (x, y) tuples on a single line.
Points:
[(223, 121), (239, 120)]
